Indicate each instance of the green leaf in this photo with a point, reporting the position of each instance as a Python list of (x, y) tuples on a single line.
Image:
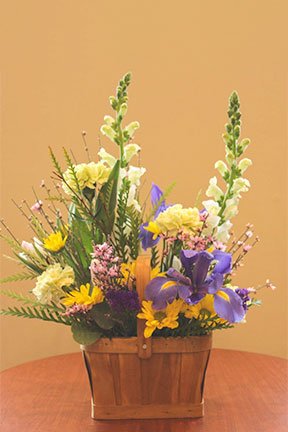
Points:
[(106, 201), (83, 334), (102, 315)]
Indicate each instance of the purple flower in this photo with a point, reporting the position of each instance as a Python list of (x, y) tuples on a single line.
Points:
[(123, 300), (145, 236), (243, 293), (200, 278)]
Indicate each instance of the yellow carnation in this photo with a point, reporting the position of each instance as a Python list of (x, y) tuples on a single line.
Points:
[(87, 176), (49, 285), (177, 218)]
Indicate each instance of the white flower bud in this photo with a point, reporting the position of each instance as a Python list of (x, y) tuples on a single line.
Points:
[(108, 120), (221, 167), (229, 157), (123, 109), (244, 164)]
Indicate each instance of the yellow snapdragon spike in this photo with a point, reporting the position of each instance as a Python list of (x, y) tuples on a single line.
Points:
[(55, 242), (82, 296)]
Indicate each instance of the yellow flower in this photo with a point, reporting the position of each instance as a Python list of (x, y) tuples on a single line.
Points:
[(128, 272), (82, 296), (50, 283), (201, 308), (55, 241), (154, 228), (158, 319), (174, 219), (87, 176)]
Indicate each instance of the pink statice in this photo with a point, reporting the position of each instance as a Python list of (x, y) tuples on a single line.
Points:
[(77, 309), (105, 266)]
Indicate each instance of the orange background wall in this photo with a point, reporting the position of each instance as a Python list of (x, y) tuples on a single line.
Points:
[(61, 61)]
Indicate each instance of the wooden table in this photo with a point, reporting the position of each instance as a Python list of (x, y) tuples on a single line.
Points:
[(244, 392)]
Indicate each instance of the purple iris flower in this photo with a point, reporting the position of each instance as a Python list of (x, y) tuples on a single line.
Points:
[(197, 281), (145, 236)]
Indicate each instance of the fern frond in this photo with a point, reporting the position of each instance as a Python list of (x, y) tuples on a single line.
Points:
[(18, 277), (34, 313)]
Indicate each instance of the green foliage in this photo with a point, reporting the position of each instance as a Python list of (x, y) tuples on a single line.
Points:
[(18, 277), (155, 257), (101, 313), (121, 241), (133, 223), (37, 312), (84, 334), (106, 202)]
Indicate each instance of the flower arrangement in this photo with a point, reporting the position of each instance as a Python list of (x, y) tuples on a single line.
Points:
[(86, 240)]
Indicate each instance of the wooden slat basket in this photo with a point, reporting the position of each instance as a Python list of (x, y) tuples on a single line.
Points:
[(138, 378)]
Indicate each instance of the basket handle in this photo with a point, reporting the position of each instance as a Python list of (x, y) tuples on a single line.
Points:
[(143, 276)]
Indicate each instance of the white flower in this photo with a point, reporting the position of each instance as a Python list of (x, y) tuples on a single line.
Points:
[(131, 150), (231, 209), (131, 128), (222, 234), (87, 176), (221, 167), (50, 283), (108, 131), (240, 185), (134, 174), (244, 164), (214, 190), (107, 157), (211, 206), (132, 201), (211, 222)]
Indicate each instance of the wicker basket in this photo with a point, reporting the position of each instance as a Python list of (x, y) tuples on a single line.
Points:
[(137, 378)]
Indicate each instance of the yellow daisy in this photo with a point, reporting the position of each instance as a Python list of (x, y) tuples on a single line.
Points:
[(82, 296), (158, 319), (55, 241), (203, 308)]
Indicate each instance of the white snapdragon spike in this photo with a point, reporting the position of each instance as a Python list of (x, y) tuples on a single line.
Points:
[(229, 156), (222, 234), (221, 167), (213, 219), (240, 185), (244, 164), (211, 206), (108, 131), (131, 201), (108, 120), (231, 209), (131, 150), (123, 109), (107, 157), (131, 128), (134, 174), (211, 223), (244, 144), (213, 190)]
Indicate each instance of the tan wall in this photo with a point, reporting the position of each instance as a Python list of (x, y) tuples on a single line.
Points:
[(62, 60)]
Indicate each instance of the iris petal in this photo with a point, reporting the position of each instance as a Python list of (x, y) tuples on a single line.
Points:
[(224, 262), (231, 310)]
